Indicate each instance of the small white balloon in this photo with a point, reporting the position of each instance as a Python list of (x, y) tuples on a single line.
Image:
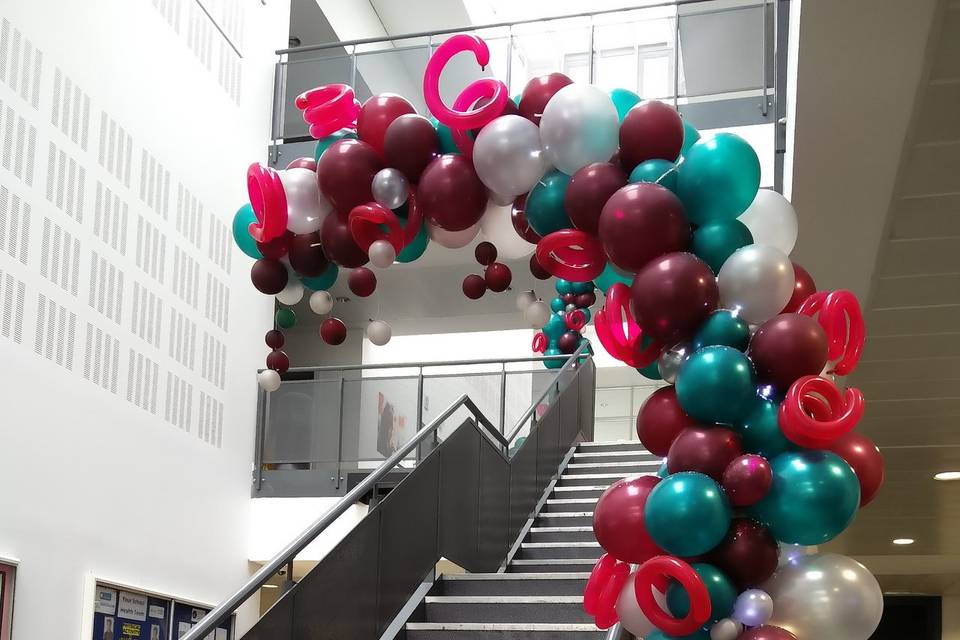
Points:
[(452, 239), (756, 280), (753, 607), (379, 332), (269, 380), (306, 206), (390, 188), (497, 227), (670, 360), (772, 221), (525, 299), (321, 302), (537, 314), (291, 294), (726, 629), (382, 254), (501, 200)]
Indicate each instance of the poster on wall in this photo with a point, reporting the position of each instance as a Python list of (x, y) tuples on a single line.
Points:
[(186, 615), (128, 615)]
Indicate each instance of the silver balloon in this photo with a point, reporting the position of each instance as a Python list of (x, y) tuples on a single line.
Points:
[(452, 239), (497, 227), (501, 200), (753, 607), (321, 302), (790, 552), (771, 220), (382, 254), (628, 610), (756, 281), (291, 294), (537, 314), (579, 126), (570, 307), (379, 332), (269, 380), (725, 629), (670, 360), (825, 596), (525, 299), (306, 206), (507, 156), (390, 188)]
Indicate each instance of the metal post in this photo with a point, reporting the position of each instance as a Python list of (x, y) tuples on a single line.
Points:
[(590, 54), (763, 65), (278, 102), (503, 398), (419, 417), (353, 66), (339, 438), (676, 57), (263, 437), (509, 73)]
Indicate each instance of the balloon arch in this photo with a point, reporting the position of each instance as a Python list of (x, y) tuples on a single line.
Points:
[(609, 192)]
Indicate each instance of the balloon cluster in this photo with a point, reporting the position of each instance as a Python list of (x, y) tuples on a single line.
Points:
[(496, 275), (568, 314)]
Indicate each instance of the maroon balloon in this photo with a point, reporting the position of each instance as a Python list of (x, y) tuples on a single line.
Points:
[(537, 94), (618, 521), (485, 253), (649, 131), (568, 298), (278, 361), (747, 479), (865, 459), (803, 288), (303, 163), (345, 172), (660, 420), (766, 632), (568, 342), (707, 450), (410, 144), (450, 194), (274, 339), (276, 248), (338, 243), (673, 295), (584, 300), (498, 277), (362, 282), (640, 222), (588, 190), (510, 108), (537, 269), (748, 554), (306, 254), (474, 286), (518, 217), (377, 114), (788, 347), (333, 331), (268, 276)]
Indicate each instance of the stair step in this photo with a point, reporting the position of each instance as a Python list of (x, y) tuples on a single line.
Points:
[(517, 609), (569, 505), (501, 631), (554, 565), (565, 519), (570, 583), (585, 491), (624, 468), (594, 479), (561, 534), (559, 550), (611, 445), (613, 456)]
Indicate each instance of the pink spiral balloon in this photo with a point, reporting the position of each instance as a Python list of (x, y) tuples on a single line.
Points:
[(269, 203), (329, 108), (841, 318), (457, 118)]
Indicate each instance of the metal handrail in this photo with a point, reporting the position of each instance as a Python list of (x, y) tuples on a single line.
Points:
[(416, 365), (223, 610)]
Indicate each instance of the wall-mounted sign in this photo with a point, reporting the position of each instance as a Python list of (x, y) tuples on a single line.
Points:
[(133, 606)]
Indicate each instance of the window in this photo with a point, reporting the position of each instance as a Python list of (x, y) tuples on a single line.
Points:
[(8, 575), (655, 72)]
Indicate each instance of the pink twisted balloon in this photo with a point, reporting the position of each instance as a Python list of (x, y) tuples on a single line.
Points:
[(329, 108), (458, 118)]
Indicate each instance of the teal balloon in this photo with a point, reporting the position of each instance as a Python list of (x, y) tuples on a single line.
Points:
[(324, 143), (760, 430), (545, 211), (516, 99), (662, 471), (652, 370), (690, 137), (813, 498), (241, 223), (722, 593), (699, 634), (718, 178), (623, 100), (554, 363), (586, 314), (582, 287), (445, 136), (716, 384), (556, 305), (556, 326), (716, 241), (662, 172), (323, 281), (610, 277), (416, 247), (723, 327), (687, 514)]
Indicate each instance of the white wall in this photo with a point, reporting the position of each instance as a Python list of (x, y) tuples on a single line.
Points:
[(129, 394)]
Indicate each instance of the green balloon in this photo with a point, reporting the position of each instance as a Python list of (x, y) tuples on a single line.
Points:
[(241, 234), (652, 370), (722, 593), (286, 318), (416, 247), (516, 99), (662, 172), (586, 314), (623, 100), (445, 136), (610, 277), (556, 305), (719, 178), (723, 328), (324, 143), (699, 634), (556, 326), (554, 363), (813, 498), (716, 384), (545, 211), (564, 286), (662, 471), (760, 430), (687, 514), (323, 281), (716, 241), (690, 137), (582, 287)]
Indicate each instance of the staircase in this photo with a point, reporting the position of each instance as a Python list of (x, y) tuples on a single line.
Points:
[(540, 596)]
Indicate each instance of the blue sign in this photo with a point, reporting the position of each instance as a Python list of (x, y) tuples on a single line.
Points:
[(186, 615)]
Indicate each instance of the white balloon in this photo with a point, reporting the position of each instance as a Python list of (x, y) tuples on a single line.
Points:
[(381, 253), (756, 280), (579, 126), (525, 299), (269, 380), (501, 199), (379, 332), (306, 206), (753, 607), (725, 629), (452, 239), (772, 220), (507, 155), (497, 227), (321, 302), (390, 188), (291, 294), (537, 314), (628, 610)]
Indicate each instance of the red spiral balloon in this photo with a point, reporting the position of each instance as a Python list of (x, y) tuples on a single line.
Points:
[(841, 318), (609, 325), (329, 108), (651, 574), (365, 221), (269, 203), (598, 578), (572, 255), (540, 342), (575, 320), (606, 612), (815, 413)]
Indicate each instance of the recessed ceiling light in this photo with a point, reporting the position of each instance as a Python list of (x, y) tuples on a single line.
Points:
[(903, 541), (273, 586), (947, 476)]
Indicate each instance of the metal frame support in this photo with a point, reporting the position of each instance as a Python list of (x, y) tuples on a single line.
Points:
[(676, 56), (339, 477), (590, 54), (764, 107), (503, 398)]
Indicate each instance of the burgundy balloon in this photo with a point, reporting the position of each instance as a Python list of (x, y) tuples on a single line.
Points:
[(474, 286), (303, 163), (510, 108), (276, 248), (338, 243), (747, 479), (377, 114), (518, 217), (409, 145), (333, 331), (537, 269), (588, 190), (618, 520), (865, 459), (568, 342), (306, 254), (640, 222), (748, 554), (707, 450), (268, 276), (450, 194), (278, 361), (362, 282), (766, 632), (803, 288), (584, 300), (673, 295), (485, 253), (568, 298), (537, 94), (786, 348), (660, 420), (274, 339), (345, 172), (498, 277), (649, 131)]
